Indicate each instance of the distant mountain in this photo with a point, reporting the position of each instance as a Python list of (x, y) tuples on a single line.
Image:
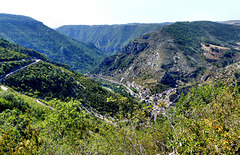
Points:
[(232, 22), (33, 34), (175, 55), (109, 38), (48, 109)]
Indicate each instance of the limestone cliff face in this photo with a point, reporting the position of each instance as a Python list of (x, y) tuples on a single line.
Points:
[(166, 58), (109, 38), (156, 58)]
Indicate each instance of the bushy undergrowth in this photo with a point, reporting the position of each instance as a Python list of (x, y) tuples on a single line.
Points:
[(205, 121)]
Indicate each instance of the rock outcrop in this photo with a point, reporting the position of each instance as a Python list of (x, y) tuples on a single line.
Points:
[(175, 55)]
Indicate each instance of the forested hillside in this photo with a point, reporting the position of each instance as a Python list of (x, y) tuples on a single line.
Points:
[(10, 51), (177, 54), (13, 57), (109, 38), (204, 121), (49, 80), (33, 34), (45, 108)]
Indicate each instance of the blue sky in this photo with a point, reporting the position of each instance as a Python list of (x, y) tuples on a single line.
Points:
[(55, 13)]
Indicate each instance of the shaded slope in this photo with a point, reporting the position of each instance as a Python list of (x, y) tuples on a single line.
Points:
[(23, 70), (33, 34), (46, 81), (13, 57), (10, 51)]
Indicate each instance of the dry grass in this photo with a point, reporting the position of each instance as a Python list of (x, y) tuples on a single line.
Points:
[(211, 54), (205, 48), (149, 81)]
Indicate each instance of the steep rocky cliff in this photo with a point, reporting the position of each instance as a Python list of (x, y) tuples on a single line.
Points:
[(108, 38), (175, 55)]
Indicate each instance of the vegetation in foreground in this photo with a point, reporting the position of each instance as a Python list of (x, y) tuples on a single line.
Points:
[(204, 121)]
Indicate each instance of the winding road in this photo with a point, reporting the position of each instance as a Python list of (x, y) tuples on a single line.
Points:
[(39, 102), (116, 82), (35, 61), (90, 111), (94, 112)]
